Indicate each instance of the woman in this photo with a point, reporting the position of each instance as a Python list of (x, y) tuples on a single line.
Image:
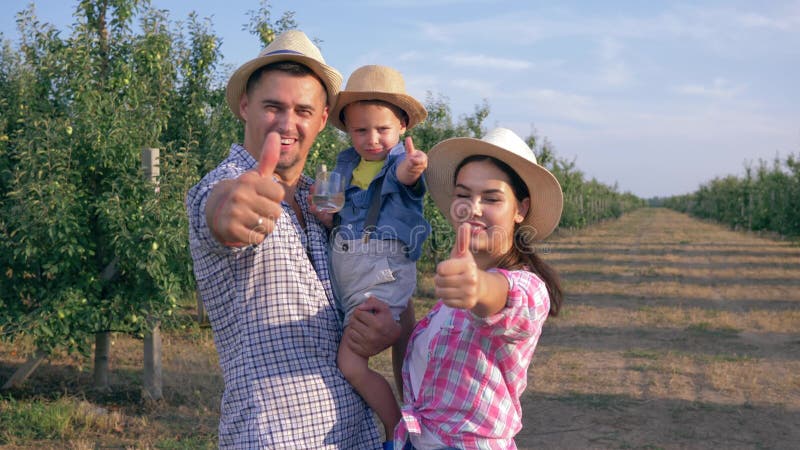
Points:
[(467, 360)]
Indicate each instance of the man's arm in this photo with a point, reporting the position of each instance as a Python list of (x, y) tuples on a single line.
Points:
[(373, 328)]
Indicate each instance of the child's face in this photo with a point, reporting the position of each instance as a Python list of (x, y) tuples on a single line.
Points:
[(373, 129), (484, 199)]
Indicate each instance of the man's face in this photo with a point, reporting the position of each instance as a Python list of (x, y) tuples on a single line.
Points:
[(294, 106)]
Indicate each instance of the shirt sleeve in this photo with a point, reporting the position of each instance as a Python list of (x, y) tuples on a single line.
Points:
[(199, 232), (527, 307), (415, 192)]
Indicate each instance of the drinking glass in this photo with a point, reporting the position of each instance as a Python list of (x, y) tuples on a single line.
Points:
[(328, 190)]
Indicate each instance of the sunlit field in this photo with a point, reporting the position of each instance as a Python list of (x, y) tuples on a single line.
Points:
[(675, 333)]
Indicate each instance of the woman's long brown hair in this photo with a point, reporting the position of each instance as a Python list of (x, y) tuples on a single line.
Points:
[(523, 253)]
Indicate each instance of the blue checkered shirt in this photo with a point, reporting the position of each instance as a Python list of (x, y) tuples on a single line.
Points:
[(276, 330)]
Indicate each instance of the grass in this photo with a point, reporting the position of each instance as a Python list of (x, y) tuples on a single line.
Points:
[(655, 354), (190, 443), (62, 419), (642, 354), (708, 329)]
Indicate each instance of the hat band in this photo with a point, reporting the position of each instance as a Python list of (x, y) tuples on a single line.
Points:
[(278, 52)]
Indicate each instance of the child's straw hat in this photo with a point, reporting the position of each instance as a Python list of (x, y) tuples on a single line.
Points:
[(377, 83)]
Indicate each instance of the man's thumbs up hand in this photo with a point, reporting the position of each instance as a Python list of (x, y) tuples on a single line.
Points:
[(270, 153), (456, 279), (243, 211)]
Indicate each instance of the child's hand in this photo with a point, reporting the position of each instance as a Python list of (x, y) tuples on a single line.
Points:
[(456, 279), (325, 218), (410, 169)]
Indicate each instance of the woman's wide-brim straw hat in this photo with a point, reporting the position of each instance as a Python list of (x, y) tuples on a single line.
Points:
[(503, 144), (377, 83), (292, 45)]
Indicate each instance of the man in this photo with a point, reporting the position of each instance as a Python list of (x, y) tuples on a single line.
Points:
[(261, 266)]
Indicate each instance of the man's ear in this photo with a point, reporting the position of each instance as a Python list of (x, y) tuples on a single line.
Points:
[(325, 113), (243, 101)]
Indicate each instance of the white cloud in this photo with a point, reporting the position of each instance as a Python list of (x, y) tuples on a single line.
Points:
[(508, 29), (614, 71), (413, 4), (482, 88), (722, 27), (787, 22), (410, 56), (610, 48), (684, 148), (561, 105), (489, 62), (617, 74), (437, 33), (720, 88)]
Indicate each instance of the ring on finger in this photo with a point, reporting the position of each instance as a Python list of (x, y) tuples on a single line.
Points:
[(260, 221)]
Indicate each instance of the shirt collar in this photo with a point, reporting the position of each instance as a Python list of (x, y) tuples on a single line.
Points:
[(239, 152)]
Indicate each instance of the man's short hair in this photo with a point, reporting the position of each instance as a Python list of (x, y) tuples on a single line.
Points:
[(289, 67)]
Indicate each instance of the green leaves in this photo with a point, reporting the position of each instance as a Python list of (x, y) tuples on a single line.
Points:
[(766, 198), (89, 245)]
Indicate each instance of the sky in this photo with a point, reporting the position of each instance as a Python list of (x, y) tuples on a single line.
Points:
[(655, 97)]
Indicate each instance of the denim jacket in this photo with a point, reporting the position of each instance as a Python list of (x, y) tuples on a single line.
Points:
[(401, 206)]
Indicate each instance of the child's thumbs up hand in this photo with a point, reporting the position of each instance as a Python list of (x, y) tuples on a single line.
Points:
[(456, 279), (413, 166)]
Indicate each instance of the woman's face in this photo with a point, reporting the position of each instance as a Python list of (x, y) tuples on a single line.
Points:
[(483, 198)]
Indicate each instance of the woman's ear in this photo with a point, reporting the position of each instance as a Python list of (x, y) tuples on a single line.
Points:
[(522, 210)]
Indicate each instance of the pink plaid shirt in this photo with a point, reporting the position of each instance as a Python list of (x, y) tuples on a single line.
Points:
[(477, 371)]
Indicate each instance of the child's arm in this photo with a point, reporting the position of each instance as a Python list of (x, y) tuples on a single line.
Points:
[(410, 169), (460, 284)]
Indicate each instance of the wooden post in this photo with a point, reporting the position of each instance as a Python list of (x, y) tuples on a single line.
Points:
[(102, 344), (150, 165), (152, 364), (201, 309), (153, 382), (25, 370)]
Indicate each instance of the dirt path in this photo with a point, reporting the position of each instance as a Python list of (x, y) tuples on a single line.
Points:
[(676, 334)]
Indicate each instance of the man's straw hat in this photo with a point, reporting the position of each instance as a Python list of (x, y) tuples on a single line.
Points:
[(292, 45), (501, 143), (377, 83)]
